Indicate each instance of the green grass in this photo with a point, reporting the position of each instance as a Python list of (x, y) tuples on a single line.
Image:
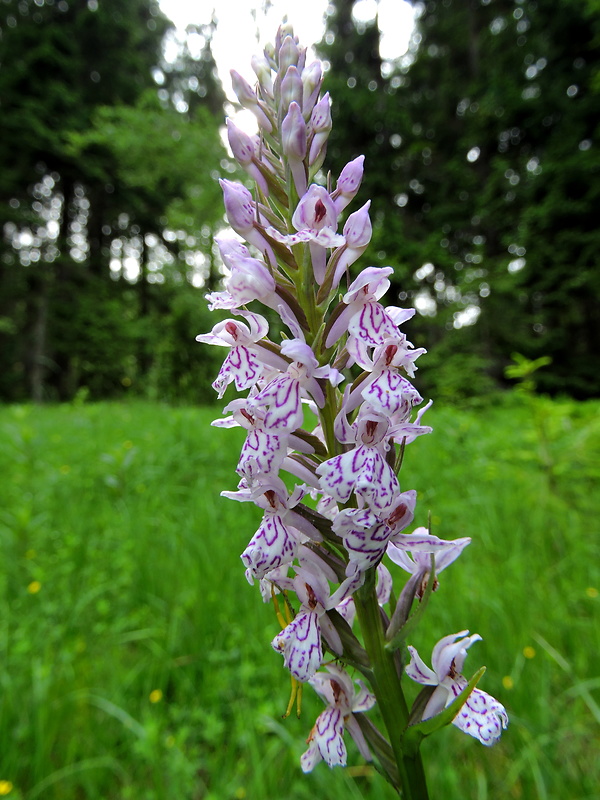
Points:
[(121, 576)]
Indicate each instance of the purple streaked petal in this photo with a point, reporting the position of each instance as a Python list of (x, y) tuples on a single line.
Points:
[(346, 588), (272, 545), (363, 470), (282, 397), (363, 700), (347, 610), (365, 537), (311, 757), (221, 300), (328, 238), (384, 584), (328, 735), (400, 315), (338, 476), (482, 716), (300, 645), (390, 392), (262, 454), (241, 366), (372, 324), (377, 483)]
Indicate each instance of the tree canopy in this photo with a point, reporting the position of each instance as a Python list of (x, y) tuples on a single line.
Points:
[(110, 190), (479, 146)]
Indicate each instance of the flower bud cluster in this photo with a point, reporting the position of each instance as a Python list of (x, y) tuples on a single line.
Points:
[(328, 491)]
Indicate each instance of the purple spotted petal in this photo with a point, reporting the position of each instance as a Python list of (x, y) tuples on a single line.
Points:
[(338, 476), (365, 537), (271, 546), (482, 716), (300, 645), (377, 482)]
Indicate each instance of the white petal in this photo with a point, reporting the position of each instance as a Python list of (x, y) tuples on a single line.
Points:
[(419, 671)]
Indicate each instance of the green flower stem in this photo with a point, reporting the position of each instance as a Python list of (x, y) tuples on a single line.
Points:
[(388, 691)]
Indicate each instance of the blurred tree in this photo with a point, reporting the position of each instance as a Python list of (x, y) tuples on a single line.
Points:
[(486, 172), (107, 147)]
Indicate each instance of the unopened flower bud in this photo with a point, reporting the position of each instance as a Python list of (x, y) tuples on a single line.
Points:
[(285, 29), (291, 89), (231, 249), (241, 144), (250, 278), (248, 99), (357, 232), (293, 133), (348, 183), (239, 206), (312, 78), (262, 70), (358, 229), (243, 149), (293, 140), (288, 55), (241, 215), (243, 91), (269, 52), (320, 123)]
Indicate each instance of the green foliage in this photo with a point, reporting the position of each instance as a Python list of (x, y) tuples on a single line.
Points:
[(523, 369), (82, 56), (152, 148), (182, 369), (112, 163), (133, 665), (480, 162)]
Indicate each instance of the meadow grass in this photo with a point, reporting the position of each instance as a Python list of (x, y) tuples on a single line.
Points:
[(136, 659)]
